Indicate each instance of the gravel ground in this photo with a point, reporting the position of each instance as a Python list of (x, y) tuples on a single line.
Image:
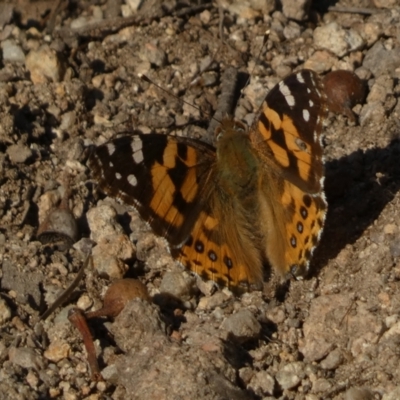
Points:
[(68, 79)]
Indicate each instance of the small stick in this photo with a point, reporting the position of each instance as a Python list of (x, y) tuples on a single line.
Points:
[(221, 21), (354, 10), (145, 78), (65, 295), (77, 318), (226, 101)]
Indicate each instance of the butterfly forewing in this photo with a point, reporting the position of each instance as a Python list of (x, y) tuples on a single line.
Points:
[(290, 124), (161, 176)]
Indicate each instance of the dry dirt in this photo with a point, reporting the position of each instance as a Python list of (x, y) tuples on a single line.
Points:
[(68, 80)]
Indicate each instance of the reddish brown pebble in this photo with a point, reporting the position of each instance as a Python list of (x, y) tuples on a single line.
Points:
[(118, 294), (77, 318), (344, 89)]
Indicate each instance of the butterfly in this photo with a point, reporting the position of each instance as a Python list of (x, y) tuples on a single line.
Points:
[(230, 212)]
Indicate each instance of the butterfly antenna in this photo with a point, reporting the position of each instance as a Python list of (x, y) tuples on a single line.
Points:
[(229, 91), (225, 103), (265, 38), (145, 78)]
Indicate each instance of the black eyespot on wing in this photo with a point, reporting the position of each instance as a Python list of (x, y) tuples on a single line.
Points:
[(303, 212), (212, 255), (300, 227), (228, 262), (199, 246)]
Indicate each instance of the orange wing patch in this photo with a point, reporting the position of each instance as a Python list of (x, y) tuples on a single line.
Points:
[(165, 190), (218, 249), (213, 255), (164, 195), (283, 139), (305, 216)]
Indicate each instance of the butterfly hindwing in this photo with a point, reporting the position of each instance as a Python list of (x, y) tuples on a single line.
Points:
[(222, 247)]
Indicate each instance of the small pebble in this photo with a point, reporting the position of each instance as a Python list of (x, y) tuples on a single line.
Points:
[(155, 55), (262, 383), (5, 312), (110, 373), (179, 284), (32, 379), (19, 153), (45, 65), (290, 375), (134, 4), (321, 385), (109, 267), (102, 221), (395, 247), (6, 14), (336, 39), (26, 357), (243, 326), (359, 394), (216, 300), (57, 351), (84, 302), (332, 360), (380, 60), (12, 52), (390, 229), (297, 10)]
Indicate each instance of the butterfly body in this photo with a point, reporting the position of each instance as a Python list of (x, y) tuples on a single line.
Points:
[(255, 199), (237, 161)]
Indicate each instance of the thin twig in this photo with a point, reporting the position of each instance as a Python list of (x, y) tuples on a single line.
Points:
[(221, 21), (355, 10), (98, 30), (192, 10), (78, 319), (226, 101), (66, 294)]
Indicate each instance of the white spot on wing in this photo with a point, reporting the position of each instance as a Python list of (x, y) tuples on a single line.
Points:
[(118, 175), (132, 180), (138, 156), (306, 115), (111, 164), (137, 144), (300, 78), (136, 147), (110, 148), (311, 103), (287, 94)]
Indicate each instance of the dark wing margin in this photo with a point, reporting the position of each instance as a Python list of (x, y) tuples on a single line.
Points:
[(289, 128), (161, 176)]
